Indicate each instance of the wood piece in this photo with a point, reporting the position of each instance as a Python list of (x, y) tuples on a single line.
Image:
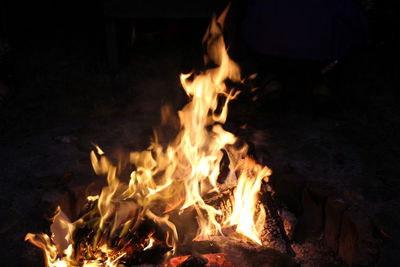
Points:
[(275, 221)]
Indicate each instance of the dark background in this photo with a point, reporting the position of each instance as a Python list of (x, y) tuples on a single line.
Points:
[(63, 94)]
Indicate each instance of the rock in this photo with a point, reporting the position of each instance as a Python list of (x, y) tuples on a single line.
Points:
[(214, 259), (289, 222), (334, 209), (263, 257), (311, 221), (357, 244)]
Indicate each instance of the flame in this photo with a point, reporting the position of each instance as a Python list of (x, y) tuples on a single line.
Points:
[(168, 179), (245, 200), (150, 244)]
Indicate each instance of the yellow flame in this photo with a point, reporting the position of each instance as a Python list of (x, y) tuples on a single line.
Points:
[(93, 198), (245, 200), (150, 245)]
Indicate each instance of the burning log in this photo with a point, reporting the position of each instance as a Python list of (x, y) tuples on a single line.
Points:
[(274, 235), (274, 222)]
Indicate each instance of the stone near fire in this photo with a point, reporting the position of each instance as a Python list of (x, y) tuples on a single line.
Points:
[(262, 257), (194, 261), (357, 244), (289, 222), (311, 221), (334, 209), (215, 259)]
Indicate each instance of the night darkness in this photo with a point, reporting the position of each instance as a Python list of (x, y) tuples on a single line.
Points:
[(324, 116)]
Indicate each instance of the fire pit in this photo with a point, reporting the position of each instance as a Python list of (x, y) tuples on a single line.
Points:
[(199, 200)]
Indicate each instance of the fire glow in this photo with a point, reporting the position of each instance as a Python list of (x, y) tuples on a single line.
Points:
[(168, 180)]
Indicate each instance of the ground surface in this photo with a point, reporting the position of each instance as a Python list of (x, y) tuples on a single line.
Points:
[(67, 100)]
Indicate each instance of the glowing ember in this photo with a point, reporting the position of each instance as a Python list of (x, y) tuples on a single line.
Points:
[(168, 180)]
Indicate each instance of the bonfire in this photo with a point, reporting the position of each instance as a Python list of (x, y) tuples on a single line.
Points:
[(174, 184)]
